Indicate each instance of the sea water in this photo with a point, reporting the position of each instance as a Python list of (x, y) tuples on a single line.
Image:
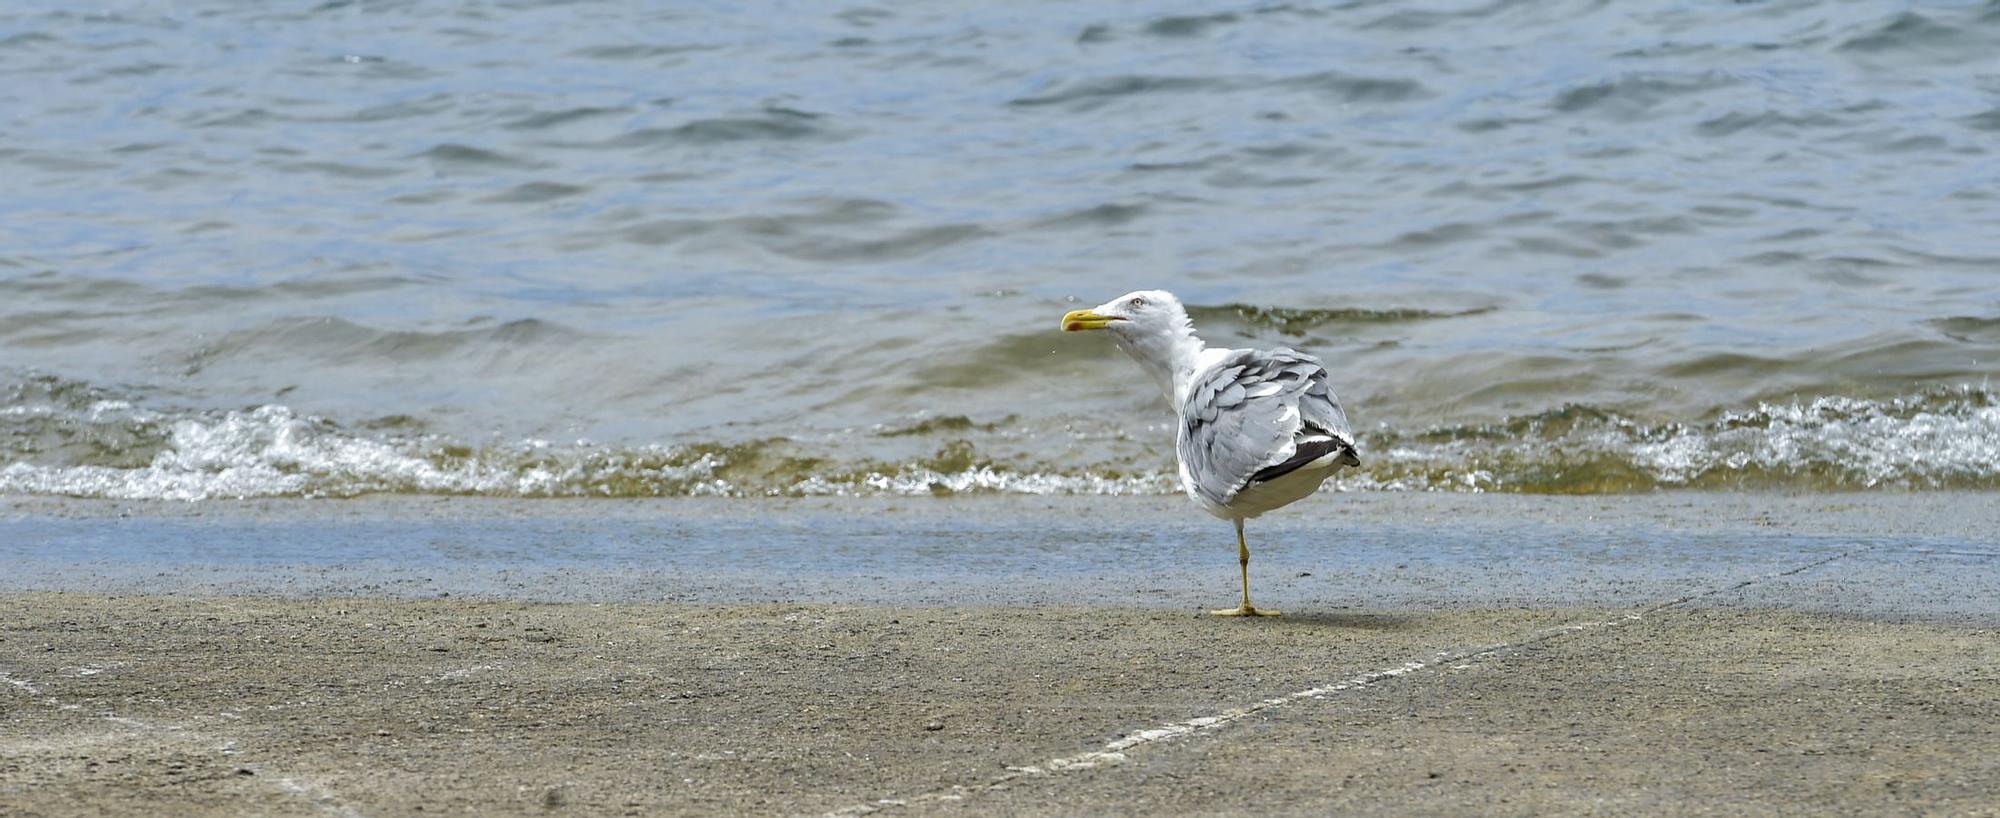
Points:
[(626, 249)]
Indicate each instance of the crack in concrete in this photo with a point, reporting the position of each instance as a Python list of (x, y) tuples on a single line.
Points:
[(1114, 752)]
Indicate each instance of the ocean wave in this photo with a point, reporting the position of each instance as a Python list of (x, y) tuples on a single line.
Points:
[(769, 124), (1302, 320), (1941, 439), (1091, 93), (272, 451), (65, 440), (1633, 94), (1919, 38)]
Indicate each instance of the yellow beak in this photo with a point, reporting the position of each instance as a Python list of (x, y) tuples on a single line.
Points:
[(1079, 320)]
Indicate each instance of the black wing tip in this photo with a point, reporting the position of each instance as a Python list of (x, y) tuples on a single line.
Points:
[(1309, 451)]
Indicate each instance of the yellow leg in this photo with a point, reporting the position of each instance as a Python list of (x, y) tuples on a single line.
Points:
[(1243, 560)]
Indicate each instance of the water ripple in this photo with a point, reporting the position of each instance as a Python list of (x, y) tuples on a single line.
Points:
[(690, 232)]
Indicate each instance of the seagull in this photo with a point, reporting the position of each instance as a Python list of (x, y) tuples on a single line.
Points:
[(1259, 429)]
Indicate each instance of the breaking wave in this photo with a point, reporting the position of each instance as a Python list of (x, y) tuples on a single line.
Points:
[(66, 440), (1944, 439)]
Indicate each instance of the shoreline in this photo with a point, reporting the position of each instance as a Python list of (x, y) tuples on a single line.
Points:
[(1910, 556)]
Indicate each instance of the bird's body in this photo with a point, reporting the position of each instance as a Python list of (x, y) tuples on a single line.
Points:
[(1258, 430)]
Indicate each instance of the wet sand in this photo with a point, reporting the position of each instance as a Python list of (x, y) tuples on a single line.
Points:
[(1748, 692)]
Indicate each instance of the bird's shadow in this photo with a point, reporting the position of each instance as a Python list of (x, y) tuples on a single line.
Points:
[(1349, 621)]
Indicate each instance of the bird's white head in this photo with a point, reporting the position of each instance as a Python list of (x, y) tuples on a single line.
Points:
[(1152, 327), (1133, 315)]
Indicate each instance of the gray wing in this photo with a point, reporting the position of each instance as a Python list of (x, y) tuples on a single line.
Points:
[(1256, 413)]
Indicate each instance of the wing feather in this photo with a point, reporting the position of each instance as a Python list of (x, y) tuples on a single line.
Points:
[(1255, 413)]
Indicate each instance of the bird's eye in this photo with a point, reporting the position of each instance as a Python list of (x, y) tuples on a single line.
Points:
[(1137, 303)]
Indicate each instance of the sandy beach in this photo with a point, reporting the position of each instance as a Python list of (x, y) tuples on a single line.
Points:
[(1731, 688)]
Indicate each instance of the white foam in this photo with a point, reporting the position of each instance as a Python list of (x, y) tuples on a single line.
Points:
[(1933, 440), (1877, 443), (918, 481), (269, 451)]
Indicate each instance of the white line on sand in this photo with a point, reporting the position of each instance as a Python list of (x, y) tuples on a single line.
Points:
[(23, 685), (318, 795), (1114, 751)]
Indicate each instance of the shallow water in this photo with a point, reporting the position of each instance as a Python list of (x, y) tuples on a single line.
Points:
[(1898, 555), (595, 249)]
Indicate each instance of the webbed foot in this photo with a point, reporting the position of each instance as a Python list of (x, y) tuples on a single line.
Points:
[(1245, 610)]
